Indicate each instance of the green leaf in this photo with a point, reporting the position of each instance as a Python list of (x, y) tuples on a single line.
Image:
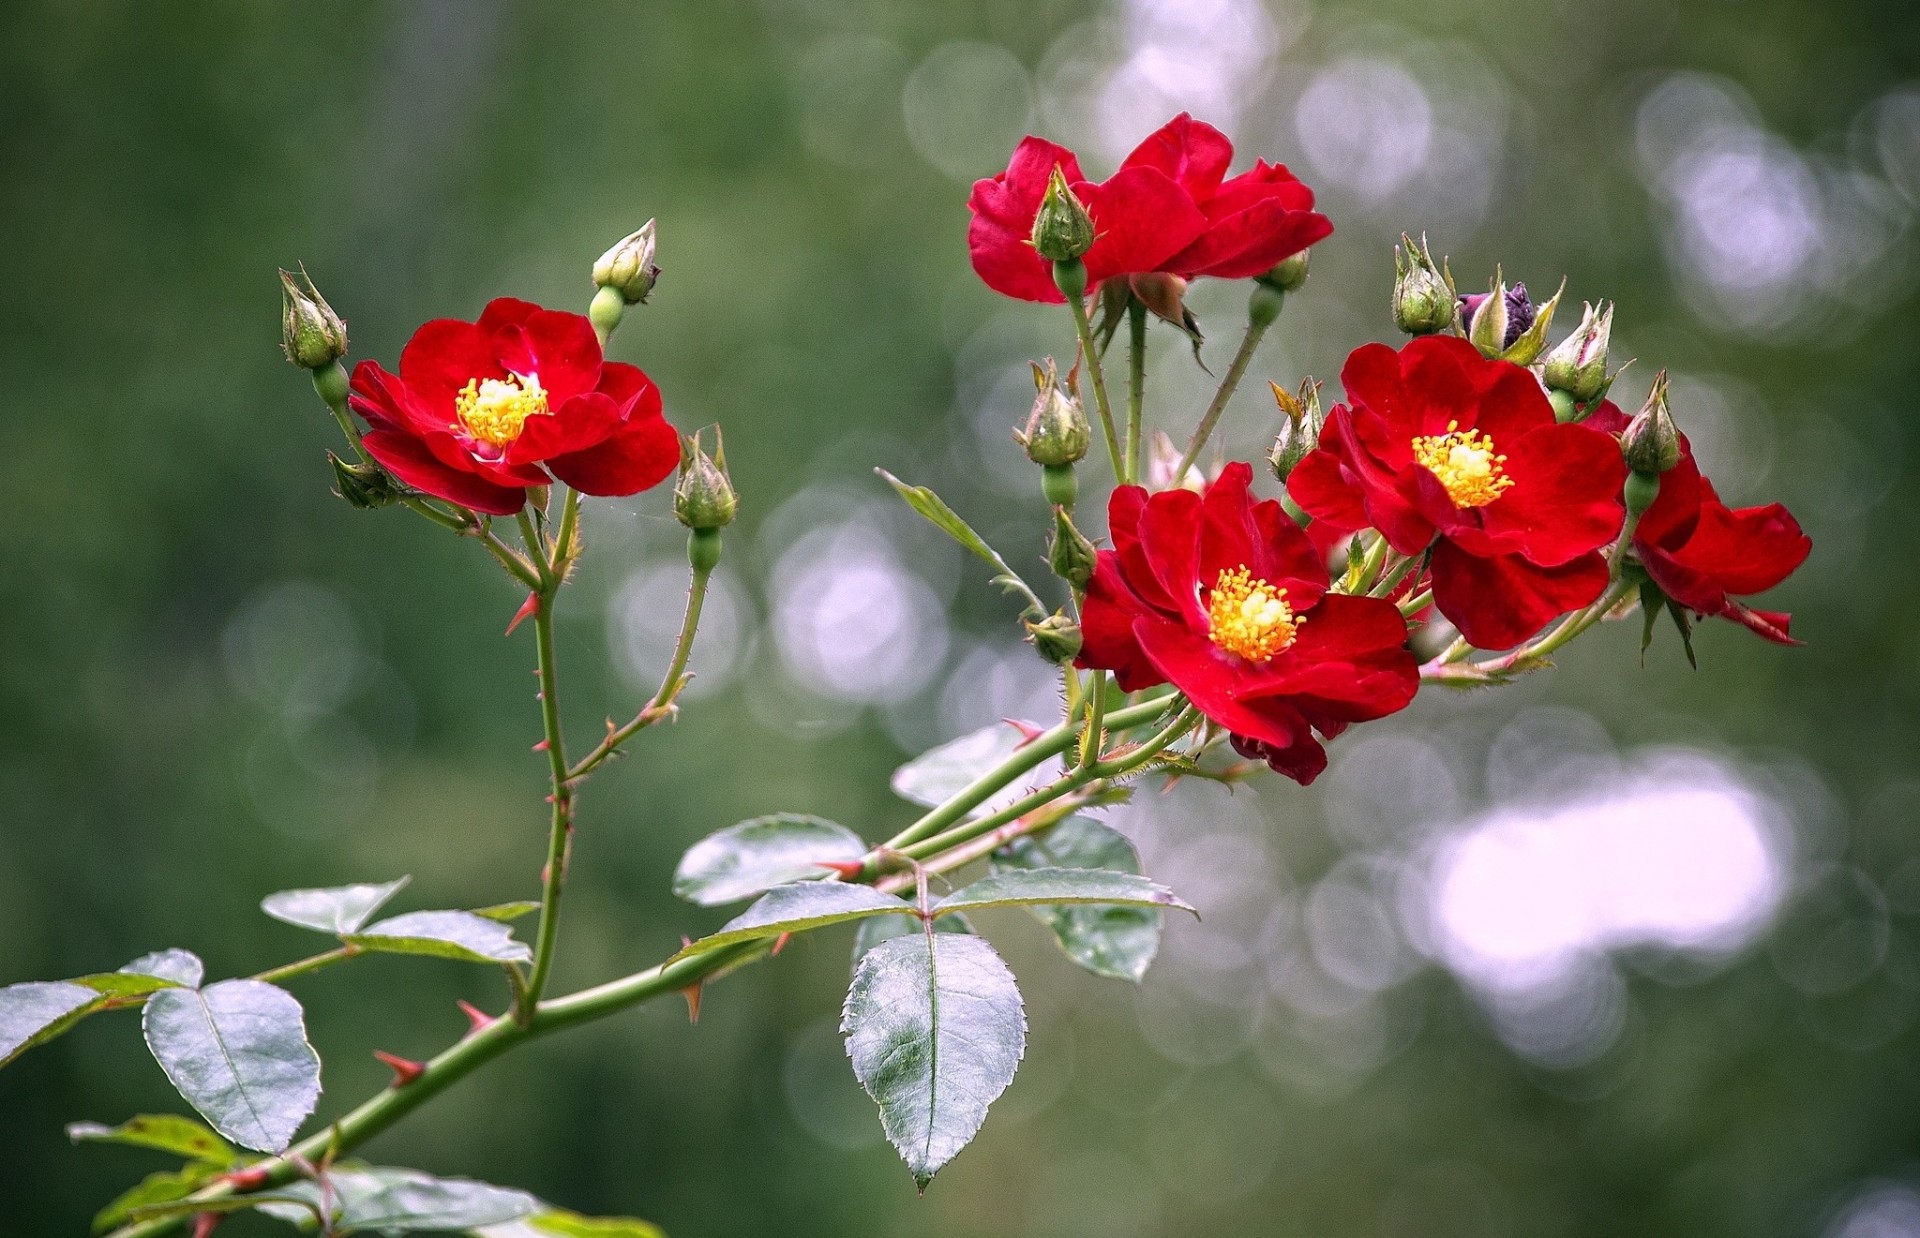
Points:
[(558, 1223), (745, 859), (935, 1029), (405, 1201), (1117, 940), (938, 774), (334, 909), (796, 908), (238, 1052), (444, 934), (885, 928), (944, 518), (168, 1132), (160, 1188), (506, 913), (35, 1011), (181, 967), (1054, 886), (126, 984)]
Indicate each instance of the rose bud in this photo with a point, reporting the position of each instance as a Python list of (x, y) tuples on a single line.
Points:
[(1069, 553), (1652, 445), (1301, 433), (1056, 638), (703, 498), (1578, 364), (312, 334), (1062, 230), (1057, 433), (628, 268), (1423, 300), (1496, 318), (1288, 275)]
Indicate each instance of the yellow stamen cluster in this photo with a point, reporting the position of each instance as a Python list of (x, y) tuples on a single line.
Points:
[(1465, 464), (1249, 617), (494, 410)]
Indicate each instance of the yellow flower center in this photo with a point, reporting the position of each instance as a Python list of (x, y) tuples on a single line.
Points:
[(1249, 617), (493, 410), (1465, 464)]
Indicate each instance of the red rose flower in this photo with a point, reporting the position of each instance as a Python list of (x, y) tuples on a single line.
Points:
[(1254, 220), (478, 409), (1439, 446), (1168, 208), (1226, 599), (1702, 553)]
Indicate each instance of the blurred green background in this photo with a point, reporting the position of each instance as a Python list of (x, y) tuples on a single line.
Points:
[(220, 681)]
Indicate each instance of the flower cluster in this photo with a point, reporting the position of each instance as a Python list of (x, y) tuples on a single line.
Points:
[(1482, 491)]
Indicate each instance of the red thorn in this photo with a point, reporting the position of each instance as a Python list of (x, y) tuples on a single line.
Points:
[(405, 1070), (779, 944), (205, 1223), (527, 608), (1028, 731), (476, 1016), (685, 940), (541, 746), (251, 1178), (692, 993), (850, 869)]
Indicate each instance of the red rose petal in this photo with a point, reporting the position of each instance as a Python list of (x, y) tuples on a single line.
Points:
[(643, 453), (1498, 602), (408, 459)]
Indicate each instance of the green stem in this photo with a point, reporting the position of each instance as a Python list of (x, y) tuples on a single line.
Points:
[(564, 551), (1083, 329), (560, 832), (1085, 775), (1136, 384), (1257, 324), (536, 546), (300, 967), (670, 684), (1048, 744), (1091, 737), (388, 1106)]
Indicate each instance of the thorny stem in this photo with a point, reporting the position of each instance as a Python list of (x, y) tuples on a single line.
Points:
[(1091, 355), (1236, 369), (1091, 738), (560, 833), (1035, 812), (661, 705), (1136, 384)]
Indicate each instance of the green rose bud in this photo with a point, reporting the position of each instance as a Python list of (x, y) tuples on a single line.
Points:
[(628, 268), (1056, 638), (703, 498), (1057, 432), (312, 334), (1423, 298), (1062, 230), (1651, 440), (1301, 432), (1578, 364)]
